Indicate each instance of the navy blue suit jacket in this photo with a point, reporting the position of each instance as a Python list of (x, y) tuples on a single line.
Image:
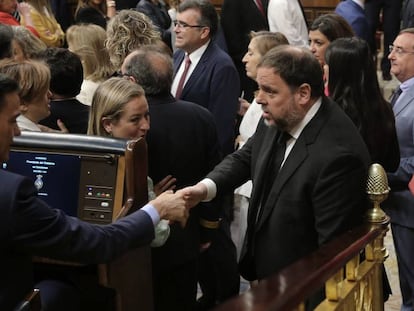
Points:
[(355, 16), (214, 84), (30, 227)]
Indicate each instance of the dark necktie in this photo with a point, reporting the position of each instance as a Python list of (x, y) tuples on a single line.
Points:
[(182, 78), (395, 96), (273, 167)]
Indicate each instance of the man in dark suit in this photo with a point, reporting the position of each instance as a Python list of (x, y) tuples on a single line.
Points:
[(354, 13), (238, 19), (182, 143), (65, 66), (316, 190), (211, 81), (30, 227), (400, 204)]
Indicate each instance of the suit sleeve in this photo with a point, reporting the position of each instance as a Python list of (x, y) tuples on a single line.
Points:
[(283, 17), (42, 231), (234, 170), (224, 94), (401, 177)]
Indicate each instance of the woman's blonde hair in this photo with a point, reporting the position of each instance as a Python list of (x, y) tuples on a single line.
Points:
[(32, 76), (109, 101), (266, 40), (126, 32), (31, 46), (88, 42)]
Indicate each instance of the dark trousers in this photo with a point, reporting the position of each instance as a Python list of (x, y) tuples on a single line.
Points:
[(218, 273), (175, 289), (391, 10)]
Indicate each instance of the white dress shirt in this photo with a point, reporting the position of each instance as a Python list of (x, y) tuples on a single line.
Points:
[(286, 16)]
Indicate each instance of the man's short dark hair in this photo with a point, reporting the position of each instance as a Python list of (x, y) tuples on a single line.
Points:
[(7, 86), (207, 11), (295, 66), (152, 69), (6, 38), (66, 71)]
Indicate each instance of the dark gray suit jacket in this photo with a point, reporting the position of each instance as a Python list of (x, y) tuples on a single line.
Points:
[(319, 192)]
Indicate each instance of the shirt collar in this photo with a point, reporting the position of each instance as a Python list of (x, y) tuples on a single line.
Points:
[(360, 3), (407, 84), (196, 55), (297, 130)]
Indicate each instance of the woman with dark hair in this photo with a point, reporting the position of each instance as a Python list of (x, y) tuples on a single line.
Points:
[(324, 30), (353, 84)]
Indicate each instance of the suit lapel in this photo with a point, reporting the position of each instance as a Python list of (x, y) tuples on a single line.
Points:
[(405, 100), (178, 59), (297, 155), (198, 70), (261, 164)]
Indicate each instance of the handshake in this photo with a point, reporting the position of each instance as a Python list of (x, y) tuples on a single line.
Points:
[(175, 206)]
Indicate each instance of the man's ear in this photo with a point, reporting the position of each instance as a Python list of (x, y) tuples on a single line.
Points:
[(205, 32), (304, 93), (107, 125)]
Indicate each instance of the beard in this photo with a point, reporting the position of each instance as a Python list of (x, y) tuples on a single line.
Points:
[(292, 117)]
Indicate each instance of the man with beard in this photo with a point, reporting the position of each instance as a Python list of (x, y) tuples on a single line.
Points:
[(307, 162)]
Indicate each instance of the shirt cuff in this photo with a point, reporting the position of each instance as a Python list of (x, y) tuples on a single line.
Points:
[(152, 212), (211, 189)]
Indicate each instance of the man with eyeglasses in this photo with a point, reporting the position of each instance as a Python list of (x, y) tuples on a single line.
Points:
[(206, 75), (400, 205)]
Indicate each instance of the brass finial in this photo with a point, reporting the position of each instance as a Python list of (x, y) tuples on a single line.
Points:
[(377, 190)]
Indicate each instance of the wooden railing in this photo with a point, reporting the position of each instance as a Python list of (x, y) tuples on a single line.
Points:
[(349, 282)]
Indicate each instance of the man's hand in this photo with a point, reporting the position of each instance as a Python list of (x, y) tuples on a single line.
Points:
[(193, 194), (171, 206)]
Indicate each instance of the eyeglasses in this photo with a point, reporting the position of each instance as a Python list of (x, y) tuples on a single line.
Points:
[(398, 50), (179, 24)]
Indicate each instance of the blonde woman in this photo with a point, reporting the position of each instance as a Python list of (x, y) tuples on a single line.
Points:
[(120, 110), (88, 42), (45, 23), (26, 45), (33, 78), (126, 32), (96, 12)]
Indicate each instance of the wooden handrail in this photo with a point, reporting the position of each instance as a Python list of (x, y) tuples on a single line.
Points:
[(286, 290)]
